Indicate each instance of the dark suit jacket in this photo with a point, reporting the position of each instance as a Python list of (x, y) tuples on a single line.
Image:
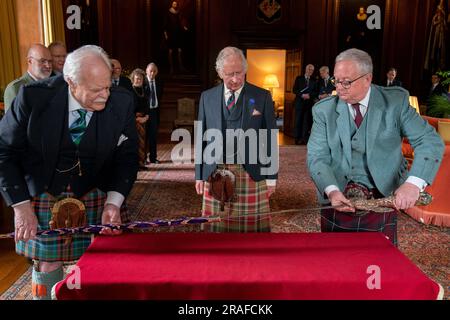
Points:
[(300, 88), (395, 83), (30, 135), (124, 82), (438, 90), (328, 89), (159, 90), (256, 100)]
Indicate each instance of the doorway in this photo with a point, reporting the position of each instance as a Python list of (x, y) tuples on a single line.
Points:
[(267, 69)]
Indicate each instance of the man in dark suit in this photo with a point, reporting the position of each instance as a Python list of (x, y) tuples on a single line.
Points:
[(68, 138), (117, 79), (305, 88), (153, 89), (240, 114), (326, 86), (391, 78), (436, 86)]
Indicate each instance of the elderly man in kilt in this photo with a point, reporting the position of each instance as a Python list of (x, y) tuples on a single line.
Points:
[(68, 144), (241, 108), (355, 149)]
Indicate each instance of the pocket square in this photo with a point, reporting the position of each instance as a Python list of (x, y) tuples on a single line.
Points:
[(122, 138), (256, 113)]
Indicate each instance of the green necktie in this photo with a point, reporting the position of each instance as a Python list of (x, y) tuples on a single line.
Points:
[(78, 127)]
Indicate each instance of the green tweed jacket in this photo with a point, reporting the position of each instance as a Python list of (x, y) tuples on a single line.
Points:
[(13, 88), (389, 120)]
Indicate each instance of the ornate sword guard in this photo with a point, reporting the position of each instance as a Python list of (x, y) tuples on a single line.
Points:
[(382, 205)]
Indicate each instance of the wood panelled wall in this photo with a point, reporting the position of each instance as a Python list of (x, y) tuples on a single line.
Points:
[(125, 30)]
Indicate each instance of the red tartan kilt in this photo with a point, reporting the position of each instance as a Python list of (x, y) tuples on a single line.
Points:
[(242, 214)]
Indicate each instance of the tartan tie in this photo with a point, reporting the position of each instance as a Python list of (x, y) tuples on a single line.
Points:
[(231, 101), (78, 127), (358, 117)]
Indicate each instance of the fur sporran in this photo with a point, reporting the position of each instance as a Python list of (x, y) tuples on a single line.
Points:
[(221, 186)]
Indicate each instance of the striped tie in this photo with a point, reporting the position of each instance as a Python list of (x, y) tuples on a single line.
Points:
[(78, 127), (231, 101)]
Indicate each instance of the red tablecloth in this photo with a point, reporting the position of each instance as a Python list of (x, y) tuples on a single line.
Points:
[(245, 266)]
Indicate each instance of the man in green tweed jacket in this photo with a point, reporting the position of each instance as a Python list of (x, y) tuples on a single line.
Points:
[(355, 148)]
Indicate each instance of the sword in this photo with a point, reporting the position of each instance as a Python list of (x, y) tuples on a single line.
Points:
[(375, 205)]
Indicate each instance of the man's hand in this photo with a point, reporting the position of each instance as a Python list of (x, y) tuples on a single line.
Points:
[(111, 215), (338, 199), (199, 185), (305, 96), (406, 196), (25, 222)]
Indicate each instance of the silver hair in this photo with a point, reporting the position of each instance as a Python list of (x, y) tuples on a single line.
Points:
[(75, 59), (227, 52), (151, 64), (325, 68), (361, 58)]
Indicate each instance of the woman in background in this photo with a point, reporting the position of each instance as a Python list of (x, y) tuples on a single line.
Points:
[(137, 79)]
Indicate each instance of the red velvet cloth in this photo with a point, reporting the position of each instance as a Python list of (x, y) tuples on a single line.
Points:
[(245, 266)]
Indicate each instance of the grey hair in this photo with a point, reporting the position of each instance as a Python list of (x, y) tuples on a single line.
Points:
[(226, 53), (361, 58), (56, 44), (75, 59), (151, 64), (325, 68)]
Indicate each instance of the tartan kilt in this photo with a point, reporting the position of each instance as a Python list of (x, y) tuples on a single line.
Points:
[(332, 220), (57, 248), (240, 215)]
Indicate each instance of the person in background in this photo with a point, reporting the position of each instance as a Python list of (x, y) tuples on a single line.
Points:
[(355, 149), (137, 78), (326, 86), (153, 90), (391, 78), (305, 88), (59, 53), (117, 79), (39, 61)]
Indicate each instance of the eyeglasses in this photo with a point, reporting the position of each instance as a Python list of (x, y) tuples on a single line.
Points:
[(233, 74), (42, 61), (346, 84)]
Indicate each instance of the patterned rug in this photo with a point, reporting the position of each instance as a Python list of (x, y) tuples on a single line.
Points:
[(167, 191)]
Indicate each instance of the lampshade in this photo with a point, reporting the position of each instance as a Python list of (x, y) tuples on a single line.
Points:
[(271, 81), (414, 102)]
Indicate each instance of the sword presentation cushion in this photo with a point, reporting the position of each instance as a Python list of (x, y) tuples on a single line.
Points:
[(68, 213)]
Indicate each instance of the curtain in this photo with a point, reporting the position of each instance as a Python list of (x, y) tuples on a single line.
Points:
[(53, 21), (10, 68)]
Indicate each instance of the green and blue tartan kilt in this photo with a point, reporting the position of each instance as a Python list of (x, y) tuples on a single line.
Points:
[(332, 220), (242, 214), (52, 249)]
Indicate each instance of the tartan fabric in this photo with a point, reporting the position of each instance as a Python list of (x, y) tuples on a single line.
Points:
[(335, 221), (53, 249), (251, 198)]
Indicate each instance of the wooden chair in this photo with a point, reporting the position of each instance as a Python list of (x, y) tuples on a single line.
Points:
[(185, 113)]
